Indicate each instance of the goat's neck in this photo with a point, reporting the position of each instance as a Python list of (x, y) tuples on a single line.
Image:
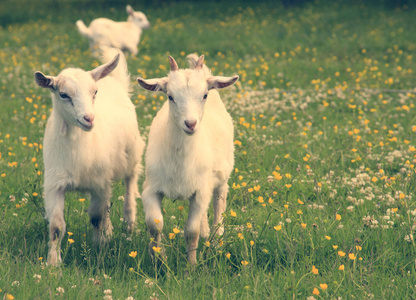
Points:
[(179, 140), (64, 129)]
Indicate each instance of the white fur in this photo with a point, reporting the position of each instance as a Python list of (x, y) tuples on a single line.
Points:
[(191, 161), (88, 144), (121, 35)]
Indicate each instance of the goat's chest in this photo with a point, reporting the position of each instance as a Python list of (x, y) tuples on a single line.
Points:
[(180, 176)]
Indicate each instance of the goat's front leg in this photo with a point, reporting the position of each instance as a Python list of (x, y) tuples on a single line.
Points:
[(99, 212), (54, 207), (198, 209), (152, 206)]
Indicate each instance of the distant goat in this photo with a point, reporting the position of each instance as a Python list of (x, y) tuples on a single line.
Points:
[(91, 139), (190, 152), (121, 35)]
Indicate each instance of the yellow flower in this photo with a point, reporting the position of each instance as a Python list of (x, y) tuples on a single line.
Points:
[(9, 296), (315, 270), (315, 291), (300, 202), (341, 253), (156, 221), (240, 236), (251, 243), (303, 225), (352, 256), (288, 185), (249, 225), (171, 235), (35, 194), (328, 237), (180, 208), (341, 268), (323, 286), (335, 247), (338, 217), (156, 249), (233, 213), (277, 227), (71, 241), (244, 263), (228, 255), (133, 254), (176, 230), (257, 188), (70, 233), (260, 199), (270, 200), (358, 248), (207, 243), (81, 199)]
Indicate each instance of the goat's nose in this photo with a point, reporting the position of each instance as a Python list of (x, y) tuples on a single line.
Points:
[(89, 118), (190, 124)]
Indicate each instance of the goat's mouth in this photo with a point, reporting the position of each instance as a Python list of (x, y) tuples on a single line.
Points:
[(85, 126), (189, 132)]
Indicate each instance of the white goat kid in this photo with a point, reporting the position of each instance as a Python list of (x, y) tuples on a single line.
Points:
[(121, 35), (190, 152), (91, 139)]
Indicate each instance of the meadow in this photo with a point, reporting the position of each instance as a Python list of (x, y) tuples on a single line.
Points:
[(322, 199)]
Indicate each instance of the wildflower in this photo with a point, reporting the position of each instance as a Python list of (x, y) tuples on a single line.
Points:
[(270, 200), (338, 217), (244, 262), (277, 227), (341, 253), (328, 237), (71, 241), (251, 243), (288, 185), (315, 291), (257, 188), (303, 225), (240, 236), (260, 199), (315, 270), (81, 199), (60, 290), (228, 255), (249, 226), (70, 233), (156, 249), (233, 213), (300, 202), (156, 221), (207, 243), (358, 248), (171, 235), (176, 230), (133, 254), (341, 268), (323, 286), (8, 296), (180, 208), (335, 247), (352, 256)]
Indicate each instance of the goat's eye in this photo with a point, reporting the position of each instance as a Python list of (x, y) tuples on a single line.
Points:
[(64, 96), (205, 96), (171, 98)]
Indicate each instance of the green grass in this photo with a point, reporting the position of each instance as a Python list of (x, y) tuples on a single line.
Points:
[(325, 151)]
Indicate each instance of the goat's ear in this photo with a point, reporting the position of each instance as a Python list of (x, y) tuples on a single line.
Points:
[(156, 84), (220, 82), (130, 10), (43, 80), (103, 70)]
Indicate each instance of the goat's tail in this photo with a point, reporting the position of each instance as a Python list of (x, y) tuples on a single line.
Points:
[(193, 60), (83, 29), (121, 72)]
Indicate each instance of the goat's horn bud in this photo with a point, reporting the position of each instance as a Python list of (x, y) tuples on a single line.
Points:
[(173, 64), (200, 61)]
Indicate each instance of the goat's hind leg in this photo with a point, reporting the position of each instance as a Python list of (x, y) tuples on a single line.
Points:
[(54, 207), (220, 204), (99, 212), (130, 205)]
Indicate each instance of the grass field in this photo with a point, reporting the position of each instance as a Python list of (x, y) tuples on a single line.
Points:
[(322, 199)]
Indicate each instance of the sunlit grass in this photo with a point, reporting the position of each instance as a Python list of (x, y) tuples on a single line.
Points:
[(321, 201)]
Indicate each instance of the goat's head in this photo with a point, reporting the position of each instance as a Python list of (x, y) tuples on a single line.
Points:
[(137, 17), (74, 91), (187, 90)]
